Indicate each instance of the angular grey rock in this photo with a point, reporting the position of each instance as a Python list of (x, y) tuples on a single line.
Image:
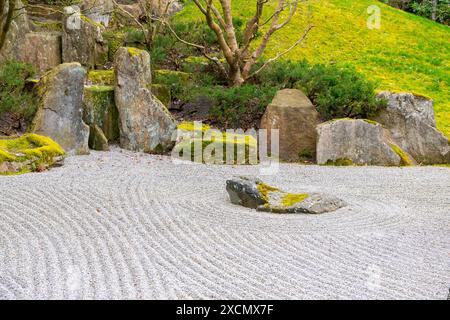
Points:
[(314, 203), (59, 113), (99, 11), (82, 39), (145, 123), (412, 123), (244, 192), (253, 193), (360, 142), (296, 118), (42, 50)]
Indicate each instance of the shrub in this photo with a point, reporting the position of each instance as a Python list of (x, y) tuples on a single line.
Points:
[(336, 92), (240, 107), (13, 96)]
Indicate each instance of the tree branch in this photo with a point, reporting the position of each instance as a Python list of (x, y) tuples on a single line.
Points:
[(278, 56)]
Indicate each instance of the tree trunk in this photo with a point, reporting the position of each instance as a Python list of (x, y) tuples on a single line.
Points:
[(235, 77), (6, 20), (434, 10)]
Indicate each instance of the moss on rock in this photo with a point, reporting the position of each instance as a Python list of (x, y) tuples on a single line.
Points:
[(194, 64), (265, 190), (291, 199), (405, 159), (101, 77), (341, 162), (170, 77), (30, 152), (99, 108)]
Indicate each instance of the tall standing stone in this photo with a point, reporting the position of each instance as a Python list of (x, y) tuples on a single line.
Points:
[(145, 123), (82, 39), (296, 118), (59, 113)]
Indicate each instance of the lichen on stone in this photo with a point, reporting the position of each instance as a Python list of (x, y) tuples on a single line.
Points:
[(265, 190), (405, 159), (134, 51), (291, 199)]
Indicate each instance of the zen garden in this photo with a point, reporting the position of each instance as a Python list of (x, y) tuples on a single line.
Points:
[(224, 149)]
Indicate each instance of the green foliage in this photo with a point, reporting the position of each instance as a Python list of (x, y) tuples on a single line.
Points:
[(336, 92), (424, 8), (13, 96), (240, 107)]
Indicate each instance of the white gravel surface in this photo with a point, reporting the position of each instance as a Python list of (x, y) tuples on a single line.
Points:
[(124, 225)]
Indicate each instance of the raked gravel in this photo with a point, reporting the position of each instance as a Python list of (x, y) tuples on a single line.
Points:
[(121, 225)]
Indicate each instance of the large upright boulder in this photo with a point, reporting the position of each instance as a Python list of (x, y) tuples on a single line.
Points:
[(59, 113), (412, 123), (82, 39), (42, 50), (145, 123), (15, 37), (359, 142), (296, 118)]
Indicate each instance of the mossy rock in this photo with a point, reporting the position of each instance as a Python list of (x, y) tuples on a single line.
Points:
[(206, 145), (162, 92), (194, 64), (406, 159), (99, 109), (28, 153), (255, 194), (341, 162), (49, 25), (115, 39), (170, 77), (101, 77)]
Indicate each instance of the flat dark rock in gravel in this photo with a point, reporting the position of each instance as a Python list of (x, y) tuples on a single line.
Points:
[(253, 193)]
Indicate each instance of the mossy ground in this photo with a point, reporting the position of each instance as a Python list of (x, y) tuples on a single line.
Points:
[(39, 150), (408, 53)]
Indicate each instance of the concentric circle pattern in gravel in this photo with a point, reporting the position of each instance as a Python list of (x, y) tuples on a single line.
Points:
[(120, 225)]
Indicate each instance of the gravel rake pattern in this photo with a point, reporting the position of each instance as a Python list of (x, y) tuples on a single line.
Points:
[(120, 225)]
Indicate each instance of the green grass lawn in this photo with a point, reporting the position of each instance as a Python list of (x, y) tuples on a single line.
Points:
[(408, 53)]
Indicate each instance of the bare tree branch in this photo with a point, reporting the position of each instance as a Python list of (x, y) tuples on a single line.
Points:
[(278, 56)]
